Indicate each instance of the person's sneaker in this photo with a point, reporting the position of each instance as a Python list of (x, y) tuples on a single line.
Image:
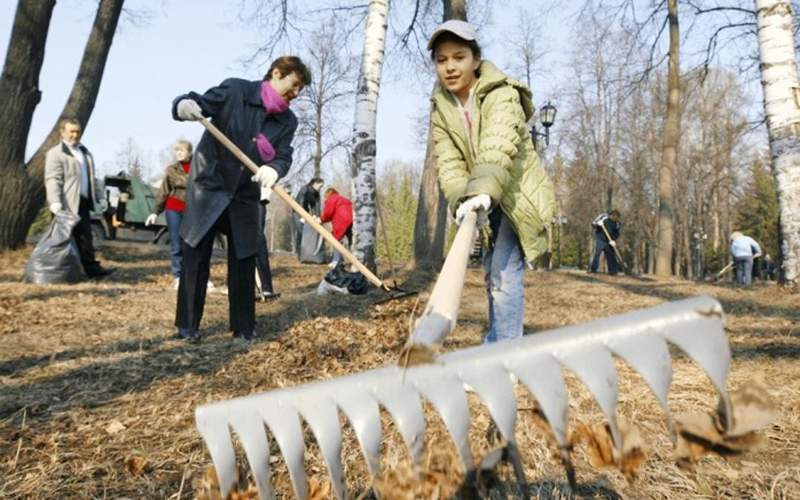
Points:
[(176, 283), (246, 336), (269, 296), (189, 335)]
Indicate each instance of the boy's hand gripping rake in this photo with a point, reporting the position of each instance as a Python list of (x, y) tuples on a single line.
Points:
[(393, 290), (639, 338)]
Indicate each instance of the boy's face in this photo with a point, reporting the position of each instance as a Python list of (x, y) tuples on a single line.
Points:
[(456, 66)]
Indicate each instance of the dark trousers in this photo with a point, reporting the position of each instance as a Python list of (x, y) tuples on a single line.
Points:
[(262, 257), (602, 246), (83, 237), (194, 279)]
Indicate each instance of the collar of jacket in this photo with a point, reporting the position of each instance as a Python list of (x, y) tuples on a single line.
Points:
[(66, 151), (490, 78), (254, 99)]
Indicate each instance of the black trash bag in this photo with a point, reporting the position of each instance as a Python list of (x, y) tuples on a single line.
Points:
[(312, 249), (56, 258), (354, 283)]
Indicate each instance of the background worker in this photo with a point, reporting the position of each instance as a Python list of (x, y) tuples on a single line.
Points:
[(70, 185), (607, 228), (339, 211), (744, 250)]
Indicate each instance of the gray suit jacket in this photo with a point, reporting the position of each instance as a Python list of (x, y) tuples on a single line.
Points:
[(62, 177)]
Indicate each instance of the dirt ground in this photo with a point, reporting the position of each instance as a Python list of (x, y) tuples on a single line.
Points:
[(97, 397)]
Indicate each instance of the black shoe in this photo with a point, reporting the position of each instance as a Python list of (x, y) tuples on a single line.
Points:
[(189, 335), (100, 272), (246, 336), (269, 296)]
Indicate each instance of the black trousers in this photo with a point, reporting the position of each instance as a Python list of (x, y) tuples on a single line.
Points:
[(602, 246), (194, 279), (83, 237), (262, 257)]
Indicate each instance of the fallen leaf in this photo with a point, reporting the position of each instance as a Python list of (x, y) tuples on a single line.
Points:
[(318, 490), (136, 465), (115, 427), (752, 409)]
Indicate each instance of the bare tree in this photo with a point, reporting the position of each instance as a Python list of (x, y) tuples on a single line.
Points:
[(320, 107), (22, 187), (669, 156)]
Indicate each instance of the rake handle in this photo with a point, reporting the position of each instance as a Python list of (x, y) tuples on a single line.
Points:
[(610, 239), (250, 164)]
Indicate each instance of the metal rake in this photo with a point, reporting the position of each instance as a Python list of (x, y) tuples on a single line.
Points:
[(639, 338)]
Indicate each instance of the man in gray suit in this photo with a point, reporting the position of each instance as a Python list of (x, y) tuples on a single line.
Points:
[(69, 181)]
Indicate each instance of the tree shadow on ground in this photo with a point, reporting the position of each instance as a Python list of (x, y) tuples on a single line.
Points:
[(162, 358), (666, 291)]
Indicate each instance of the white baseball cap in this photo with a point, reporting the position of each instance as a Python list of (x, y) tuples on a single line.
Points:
[(461, 29)]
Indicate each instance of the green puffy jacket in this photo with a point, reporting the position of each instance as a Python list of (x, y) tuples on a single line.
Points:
[(505, 166)]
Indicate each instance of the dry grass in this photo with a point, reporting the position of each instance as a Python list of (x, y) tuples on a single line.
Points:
[(97, 398)]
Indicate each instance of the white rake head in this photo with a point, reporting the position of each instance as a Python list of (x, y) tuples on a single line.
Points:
[(639, 338)]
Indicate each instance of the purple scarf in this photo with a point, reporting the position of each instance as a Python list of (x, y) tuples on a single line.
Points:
[(273, 103)]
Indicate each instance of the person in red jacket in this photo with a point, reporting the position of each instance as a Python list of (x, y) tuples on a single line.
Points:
[(339, 211)]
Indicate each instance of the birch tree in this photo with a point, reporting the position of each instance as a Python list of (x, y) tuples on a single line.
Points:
[(363, 145), (782, 104)]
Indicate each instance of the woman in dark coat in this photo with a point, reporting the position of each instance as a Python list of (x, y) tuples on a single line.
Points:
[(222, 196)]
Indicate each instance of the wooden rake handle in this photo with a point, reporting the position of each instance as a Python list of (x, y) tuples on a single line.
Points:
[(247, 162), (616, 250)]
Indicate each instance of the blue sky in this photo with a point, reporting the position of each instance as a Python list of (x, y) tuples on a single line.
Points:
[(195, 44), (187, 45)]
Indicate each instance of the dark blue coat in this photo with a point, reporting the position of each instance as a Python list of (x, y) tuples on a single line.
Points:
[(218, 180)]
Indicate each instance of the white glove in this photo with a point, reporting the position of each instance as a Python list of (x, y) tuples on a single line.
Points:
[(476, 203), (189, 110), (55, 207), (266, 194), (151, 219), (612, 243), (266, 176)]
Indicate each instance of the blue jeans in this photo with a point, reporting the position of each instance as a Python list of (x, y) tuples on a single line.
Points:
[(174, 226), (504, 267), (744, 270)]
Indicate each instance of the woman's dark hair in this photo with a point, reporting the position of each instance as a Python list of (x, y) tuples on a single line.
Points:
[(449, 36), (614, 213), (286, 65), (315, 180)]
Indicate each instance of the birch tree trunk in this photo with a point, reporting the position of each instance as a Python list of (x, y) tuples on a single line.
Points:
[(22, 184), (431, 223), (363, 150), (669, 153), (782, 104)]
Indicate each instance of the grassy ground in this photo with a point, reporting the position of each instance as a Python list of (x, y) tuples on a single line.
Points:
[(97, 397)]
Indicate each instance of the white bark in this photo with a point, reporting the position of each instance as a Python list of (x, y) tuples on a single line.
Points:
[(363, 147), (782, 104)]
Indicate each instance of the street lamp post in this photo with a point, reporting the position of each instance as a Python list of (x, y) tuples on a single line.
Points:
[(547, 117)]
